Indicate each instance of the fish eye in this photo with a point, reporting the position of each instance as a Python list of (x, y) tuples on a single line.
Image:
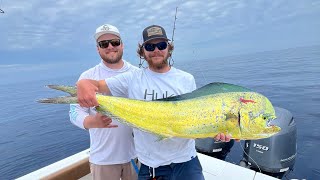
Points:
[(266, 116)]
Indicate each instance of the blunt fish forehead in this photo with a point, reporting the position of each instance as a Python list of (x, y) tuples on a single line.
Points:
[(265, 108), (270, 112)]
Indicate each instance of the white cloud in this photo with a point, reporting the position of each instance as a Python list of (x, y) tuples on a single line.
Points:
[(59, 24)]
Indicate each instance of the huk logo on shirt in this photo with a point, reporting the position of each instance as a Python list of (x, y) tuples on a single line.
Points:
[(154, 96)]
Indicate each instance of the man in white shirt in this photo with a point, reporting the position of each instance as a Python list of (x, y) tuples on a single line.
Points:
[(173, 158), (111, 149)]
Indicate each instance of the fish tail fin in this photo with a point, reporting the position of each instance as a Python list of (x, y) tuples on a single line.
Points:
[(60, 100), (72, 90)]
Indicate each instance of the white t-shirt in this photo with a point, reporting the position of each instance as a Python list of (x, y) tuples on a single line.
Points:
[(107, 145), (145, 84)]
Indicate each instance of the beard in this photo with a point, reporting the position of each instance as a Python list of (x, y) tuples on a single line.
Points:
[(157, 65), (114, 59)]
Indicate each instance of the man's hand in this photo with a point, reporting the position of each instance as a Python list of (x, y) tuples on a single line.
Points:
[(98, 121), (86, 92), (224, 138)]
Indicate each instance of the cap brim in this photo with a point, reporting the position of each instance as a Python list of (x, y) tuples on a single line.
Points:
[(155, 38)]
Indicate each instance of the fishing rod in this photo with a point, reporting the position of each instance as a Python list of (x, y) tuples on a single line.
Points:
[(174, 24), (171, 61), (1, 11)]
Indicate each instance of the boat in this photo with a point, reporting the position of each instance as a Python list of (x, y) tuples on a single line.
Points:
[(77, 167)]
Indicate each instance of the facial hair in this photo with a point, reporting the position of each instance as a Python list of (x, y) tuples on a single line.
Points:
[(160, 65), (113, 60)]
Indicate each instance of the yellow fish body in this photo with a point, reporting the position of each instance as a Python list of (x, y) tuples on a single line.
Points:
[(243, 114)]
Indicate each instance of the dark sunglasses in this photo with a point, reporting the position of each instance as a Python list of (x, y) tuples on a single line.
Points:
[(105, 43), (160, 46)]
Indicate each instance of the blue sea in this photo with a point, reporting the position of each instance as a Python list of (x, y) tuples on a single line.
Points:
[(35, 135)]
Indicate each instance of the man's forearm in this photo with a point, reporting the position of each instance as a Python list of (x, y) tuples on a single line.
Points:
[(103, 87)]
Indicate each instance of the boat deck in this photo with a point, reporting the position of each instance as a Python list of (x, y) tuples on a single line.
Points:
[(212, 169)]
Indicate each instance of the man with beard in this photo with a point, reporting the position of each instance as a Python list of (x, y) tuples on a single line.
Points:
[(111, 149), (173, 158)]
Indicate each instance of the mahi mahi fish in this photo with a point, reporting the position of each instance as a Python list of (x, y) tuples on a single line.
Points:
[(212, 109)]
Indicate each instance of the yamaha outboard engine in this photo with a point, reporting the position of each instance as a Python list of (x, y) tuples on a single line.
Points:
[(276, 155), (216, 149)]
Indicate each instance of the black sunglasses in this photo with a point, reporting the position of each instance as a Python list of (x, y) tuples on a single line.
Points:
[(151, 47), (105, 43)]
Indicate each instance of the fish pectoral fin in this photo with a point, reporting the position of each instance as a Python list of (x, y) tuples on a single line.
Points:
[(161, 138)]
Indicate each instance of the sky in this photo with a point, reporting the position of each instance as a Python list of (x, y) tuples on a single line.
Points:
[(46, 31)]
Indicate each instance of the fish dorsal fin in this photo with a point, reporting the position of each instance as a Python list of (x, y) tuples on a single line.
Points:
[(212, 88)]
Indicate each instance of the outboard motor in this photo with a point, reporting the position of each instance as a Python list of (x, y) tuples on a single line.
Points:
[(216, 149), (276, 155)]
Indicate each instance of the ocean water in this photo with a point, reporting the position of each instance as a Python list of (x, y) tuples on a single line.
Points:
[(34, 135)]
